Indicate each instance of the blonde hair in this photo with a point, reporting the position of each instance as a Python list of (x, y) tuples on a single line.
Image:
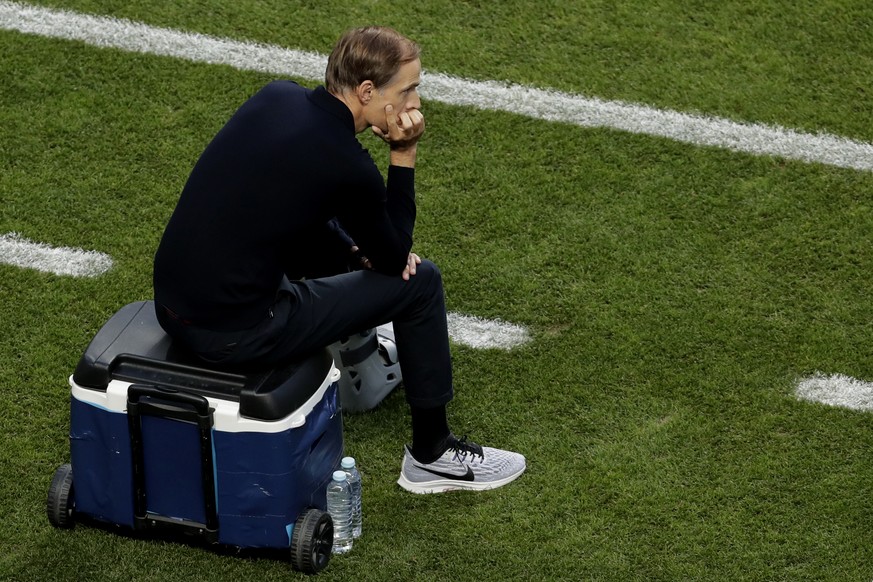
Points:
[(372, 53)]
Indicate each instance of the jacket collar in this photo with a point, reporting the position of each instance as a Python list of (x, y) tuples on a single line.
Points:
[(324, 100)]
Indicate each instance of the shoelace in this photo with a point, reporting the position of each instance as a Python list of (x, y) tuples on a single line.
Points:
[(463, 447)]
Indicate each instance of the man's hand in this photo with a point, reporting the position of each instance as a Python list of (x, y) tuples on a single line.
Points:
[(403, 134), (360, 261), (412, 261)]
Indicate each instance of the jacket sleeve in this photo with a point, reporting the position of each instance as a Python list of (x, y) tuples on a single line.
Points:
[(380, 218)]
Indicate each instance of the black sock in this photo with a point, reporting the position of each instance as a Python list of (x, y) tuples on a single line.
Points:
[(430, 433)]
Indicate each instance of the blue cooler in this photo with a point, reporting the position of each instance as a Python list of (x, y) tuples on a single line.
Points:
[(163, 445)]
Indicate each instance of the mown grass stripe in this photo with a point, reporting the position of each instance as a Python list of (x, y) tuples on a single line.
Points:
[(543, 104)]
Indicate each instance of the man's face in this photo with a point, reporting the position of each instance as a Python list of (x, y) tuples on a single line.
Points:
[(401, 92)]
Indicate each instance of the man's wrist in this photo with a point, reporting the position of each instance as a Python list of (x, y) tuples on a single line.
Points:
[(404, 157)]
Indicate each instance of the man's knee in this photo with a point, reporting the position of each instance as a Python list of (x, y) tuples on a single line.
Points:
[(430, 275)]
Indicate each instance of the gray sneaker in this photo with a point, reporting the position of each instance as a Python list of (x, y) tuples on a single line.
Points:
[(464, 465)]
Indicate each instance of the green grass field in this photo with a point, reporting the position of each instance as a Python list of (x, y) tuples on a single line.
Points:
[(674, 293)]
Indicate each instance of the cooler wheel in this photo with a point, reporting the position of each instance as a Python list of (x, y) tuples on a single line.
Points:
[(59, 505), (312, 541)]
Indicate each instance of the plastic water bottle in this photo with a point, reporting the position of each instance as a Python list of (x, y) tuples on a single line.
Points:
[(354, 479), (339, 506)]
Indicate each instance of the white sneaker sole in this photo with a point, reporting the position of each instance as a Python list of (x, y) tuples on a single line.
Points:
[(443, 485)]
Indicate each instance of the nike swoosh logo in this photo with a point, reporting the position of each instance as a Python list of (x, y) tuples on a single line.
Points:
[(468, 476)]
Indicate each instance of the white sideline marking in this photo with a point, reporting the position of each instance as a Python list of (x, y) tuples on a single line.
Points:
[(837, 390), (483, 333), (20, 252), (476, 333), (543, 104), (107, 32)]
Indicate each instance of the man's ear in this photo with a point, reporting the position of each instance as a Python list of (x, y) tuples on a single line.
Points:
[(364, 92)]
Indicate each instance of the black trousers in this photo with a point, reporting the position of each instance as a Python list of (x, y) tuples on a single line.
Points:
[(312, 313)]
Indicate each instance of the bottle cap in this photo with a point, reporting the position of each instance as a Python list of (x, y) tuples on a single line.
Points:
[(347, 462), (339, 475)]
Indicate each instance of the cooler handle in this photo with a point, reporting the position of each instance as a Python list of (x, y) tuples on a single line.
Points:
[(177, 405), (195, 401)]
